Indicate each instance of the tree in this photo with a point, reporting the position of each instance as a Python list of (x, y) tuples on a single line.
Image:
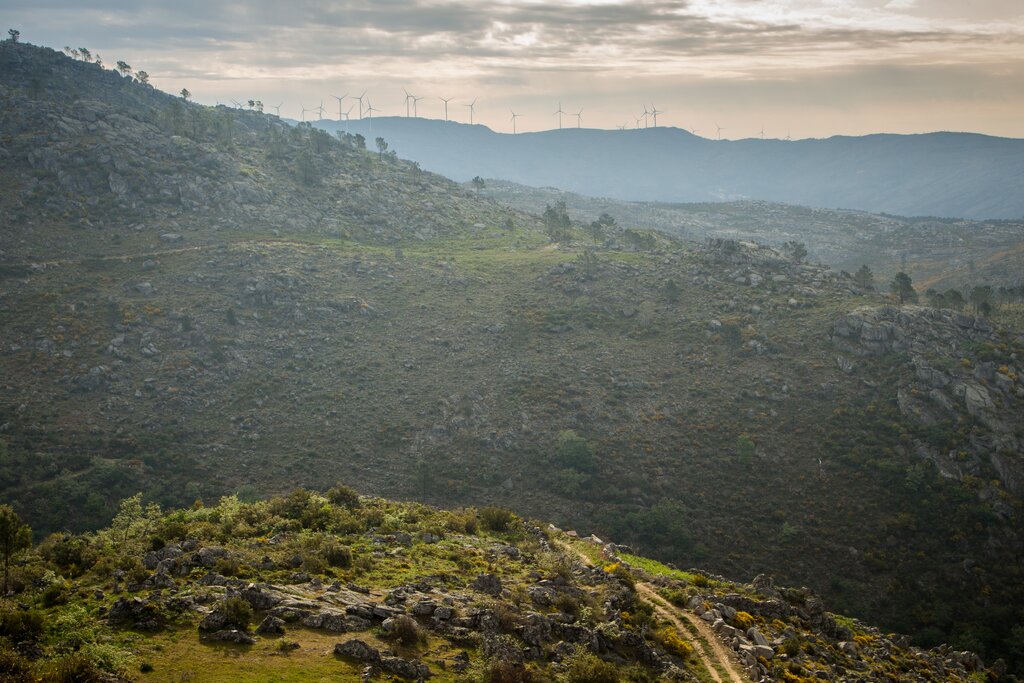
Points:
[(14, 34), (671, 291), (599, 229), (185, 94), (123, 67), (797, 251), (142, 77), (556, 221), (981, 297), (15, 536), (305, 167), (478, 183), (359, 141), (903, 288), (954, 299), (382, 146), (85, 53), (864, 278)]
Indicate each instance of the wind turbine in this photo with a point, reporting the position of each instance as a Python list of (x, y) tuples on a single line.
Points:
[(304, 110), (415, 111), (720, 129), (345, 114), (762, 132), (787, 134), (514, 117), (238, 105), (654, 112), (637, 119), (277, 109), (360, 98), (369, 110), (646, 114), (407, 98), (559, 115), (339, 103), (321, 110), (579, 117), (471, 105), (446, 100)]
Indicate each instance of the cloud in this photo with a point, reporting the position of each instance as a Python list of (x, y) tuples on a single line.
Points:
[(520, 48)]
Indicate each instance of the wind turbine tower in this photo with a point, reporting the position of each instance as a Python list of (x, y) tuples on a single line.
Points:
[(360, 98), (514, 117), (654, 112), (277, 109), (407, 98), (579, 117), (339, 103), (559, 115), (446, 100), (720, 129), (415, 101), (471, 105)]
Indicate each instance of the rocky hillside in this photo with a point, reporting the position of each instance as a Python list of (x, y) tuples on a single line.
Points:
[(939, 253), (712, 404), (316, 586)]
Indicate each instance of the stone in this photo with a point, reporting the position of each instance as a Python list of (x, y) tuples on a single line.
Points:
[(231, 636), (405, 668), (977, 399), (209, 555), (358, 650), (756, 637), (171, 237), (271, 625), (487, 583)]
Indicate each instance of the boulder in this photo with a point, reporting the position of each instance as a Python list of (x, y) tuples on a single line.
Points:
[(357, 650), (487, 583), (271, 625), (405, 668), (230, 636)]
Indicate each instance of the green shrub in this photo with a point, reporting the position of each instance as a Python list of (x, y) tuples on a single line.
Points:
[(575, 452), (345, 496), (19, 625), (338, 555), (54, 594), (228, 566), (584, 667), (72, 668), (405, 630), (236, 611), (497, 519)]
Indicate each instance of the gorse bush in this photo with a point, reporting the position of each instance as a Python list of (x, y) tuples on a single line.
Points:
[(237, 612), (584, 667), (497, 519), (405, 630), (337, 555)]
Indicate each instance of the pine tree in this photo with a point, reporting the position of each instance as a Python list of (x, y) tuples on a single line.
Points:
[(903, 288)]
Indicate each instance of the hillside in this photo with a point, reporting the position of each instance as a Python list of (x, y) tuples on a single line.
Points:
[(346, 316), (940, 253), (939, 174), (328, 586)]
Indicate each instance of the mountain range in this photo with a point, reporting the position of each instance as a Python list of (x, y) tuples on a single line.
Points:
[(937, 174)]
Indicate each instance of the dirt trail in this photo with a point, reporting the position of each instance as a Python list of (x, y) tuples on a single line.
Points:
[(715, 657)]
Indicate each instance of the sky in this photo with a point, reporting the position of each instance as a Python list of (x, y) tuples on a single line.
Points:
[(729, 68)]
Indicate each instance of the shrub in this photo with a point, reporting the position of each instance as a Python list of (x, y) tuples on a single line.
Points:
[(14, 668), (405, 630), (237, 612), (338, 555), (54, 594), (584, 667), (673, 643), (345, 496), (575, 452), (19, 625), (496, 519), (743, 620), (72, 668), (227, 566)]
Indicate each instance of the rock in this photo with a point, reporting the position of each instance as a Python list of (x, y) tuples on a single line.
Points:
[(487, 583), (977, 399), (145, 288), (358, 650), (171, 237), (845, 364), (756, 636), (405, 668), (271, 625), (214, 621), (230, 636), (209, 555)]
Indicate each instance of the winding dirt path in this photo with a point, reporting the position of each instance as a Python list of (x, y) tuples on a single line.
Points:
[(712, 652), (719, 660)]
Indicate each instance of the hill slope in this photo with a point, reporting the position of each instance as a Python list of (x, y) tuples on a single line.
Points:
[(938, 174), (314, 587), (396, 331)]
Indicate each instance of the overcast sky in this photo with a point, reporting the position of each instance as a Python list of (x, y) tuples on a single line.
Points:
[(812, 68)]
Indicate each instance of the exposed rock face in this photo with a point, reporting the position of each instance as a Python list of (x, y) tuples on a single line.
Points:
[(946, 383)]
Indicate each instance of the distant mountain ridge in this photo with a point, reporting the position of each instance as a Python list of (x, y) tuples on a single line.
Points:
[(962, 175)]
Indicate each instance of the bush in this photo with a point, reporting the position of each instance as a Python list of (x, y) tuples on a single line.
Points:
[(673, 643), (575, 452), (18, 625), (345, 496), (237, 612), (338, 555), (496, 519), (14, 668), (405, 630), (72, 668), (54, 594), (743, 620), (584, 667)]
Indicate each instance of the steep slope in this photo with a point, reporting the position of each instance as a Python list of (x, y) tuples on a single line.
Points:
[(938, 174), (416, 340), (333, 587)]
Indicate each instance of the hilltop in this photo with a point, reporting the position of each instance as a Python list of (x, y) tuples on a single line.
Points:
[(330, 586), (960, 175), (322, 312)]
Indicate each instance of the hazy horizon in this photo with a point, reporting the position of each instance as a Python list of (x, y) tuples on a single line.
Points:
[(804, 67)]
